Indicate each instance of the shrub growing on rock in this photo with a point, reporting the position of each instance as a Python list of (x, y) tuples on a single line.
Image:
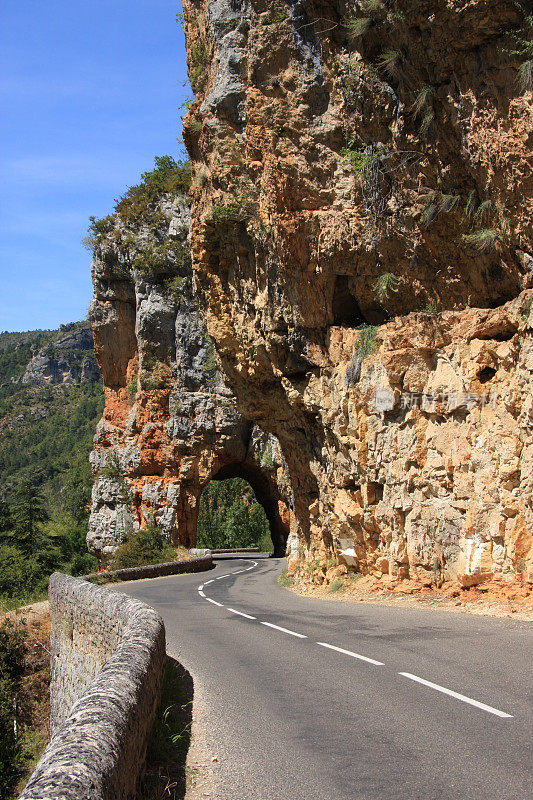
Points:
[(139, 548)]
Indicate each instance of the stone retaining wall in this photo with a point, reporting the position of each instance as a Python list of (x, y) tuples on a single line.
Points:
[(107, 668), (108, 661), (155, 570)]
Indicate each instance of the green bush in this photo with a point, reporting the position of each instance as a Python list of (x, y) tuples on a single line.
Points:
[(143, 547), (111, 468), (174, 255), (222, 215), (265, 544), (524, 50), (366, 344), (97, 230), (198, 62), (168, 177), (83, 564), (386, 283), (362, 160)]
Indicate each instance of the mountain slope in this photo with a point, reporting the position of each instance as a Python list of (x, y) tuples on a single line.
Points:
[(50, 400)]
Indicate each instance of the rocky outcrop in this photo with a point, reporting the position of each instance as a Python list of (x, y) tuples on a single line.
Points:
[(362, 250), (170, 423), (68, 357)]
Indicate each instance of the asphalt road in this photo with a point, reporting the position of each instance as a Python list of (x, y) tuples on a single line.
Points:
[(293, 719)]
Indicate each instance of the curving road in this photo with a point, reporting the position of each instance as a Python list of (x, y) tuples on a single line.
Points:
[(313, 700)]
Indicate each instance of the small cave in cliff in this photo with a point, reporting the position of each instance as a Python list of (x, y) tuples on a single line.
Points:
[(344, 307), (240, 507), (486, 374)]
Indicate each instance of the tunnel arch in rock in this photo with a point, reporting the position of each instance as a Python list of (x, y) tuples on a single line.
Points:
[(171, 422), (267, 495)]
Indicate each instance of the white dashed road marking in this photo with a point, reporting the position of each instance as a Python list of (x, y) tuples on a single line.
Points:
[(353, 655), (284, 630), (350, 653), (240, 613), (457, 696)]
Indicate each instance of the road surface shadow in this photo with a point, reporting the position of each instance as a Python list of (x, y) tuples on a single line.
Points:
[(166, 757)]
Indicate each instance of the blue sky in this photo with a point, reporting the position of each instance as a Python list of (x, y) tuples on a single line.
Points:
[(90, 93)]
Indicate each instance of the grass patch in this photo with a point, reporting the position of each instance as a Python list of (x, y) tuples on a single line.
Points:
[(336, 585), (285, 579), (366, 344), (357, 26), (431, 307), (391, 62), (482, 240), (312, 567), (353, 577)]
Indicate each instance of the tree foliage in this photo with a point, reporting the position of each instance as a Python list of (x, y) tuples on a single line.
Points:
[(168, 177), (11, 670), (45, 476), (231, 517)]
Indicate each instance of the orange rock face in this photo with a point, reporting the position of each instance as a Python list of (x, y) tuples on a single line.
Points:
[(361, 238), (170, 423)]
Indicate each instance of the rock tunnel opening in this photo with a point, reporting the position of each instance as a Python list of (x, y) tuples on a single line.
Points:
[(241, 507)]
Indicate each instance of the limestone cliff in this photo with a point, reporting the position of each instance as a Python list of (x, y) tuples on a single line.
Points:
[(67, 357), (362, 250), (170, 423)]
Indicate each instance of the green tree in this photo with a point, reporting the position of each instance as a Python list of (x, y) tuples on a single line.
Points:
[(5, 518), (230, 516), (20, 573), (11, 670), (29, 512)]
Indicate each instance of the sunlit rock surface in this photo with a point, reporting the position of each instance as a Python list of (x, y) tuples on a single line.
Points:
[(381, 179), (170, 423)]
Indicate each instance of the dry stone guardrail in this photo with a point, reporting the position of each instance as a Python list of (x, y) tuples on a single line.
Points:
[(154, 570), (107, 668)]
